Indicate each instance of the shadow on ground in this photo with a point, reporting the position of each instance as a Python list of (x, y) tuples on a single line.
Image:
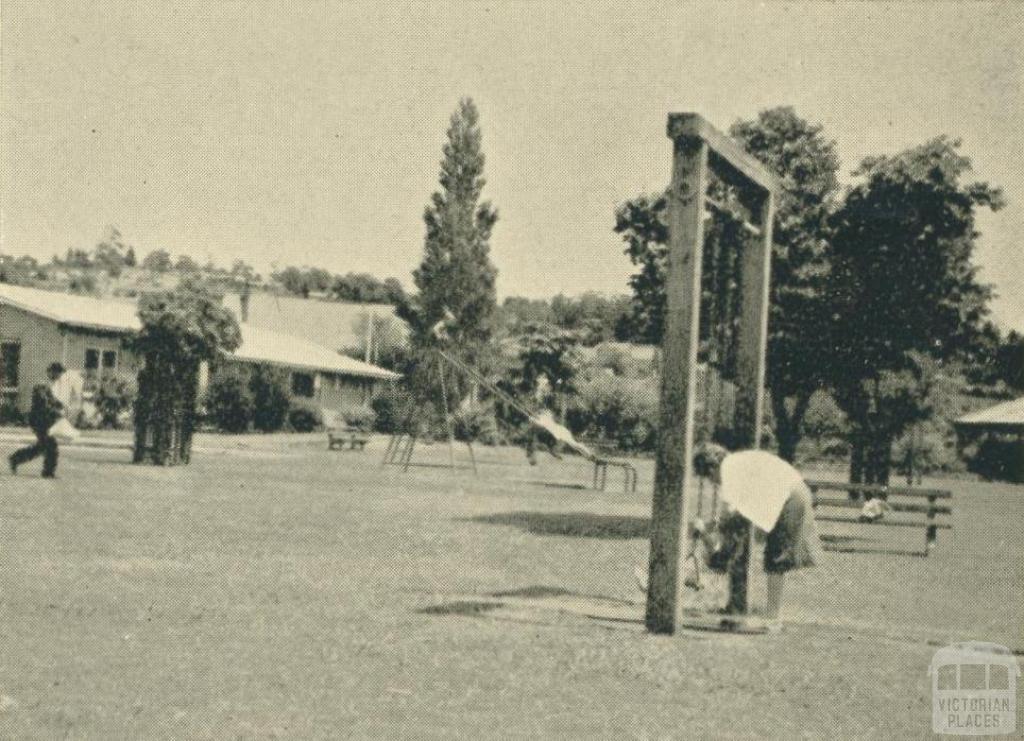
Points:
[(860, 544), (571, 524), (462, 607)]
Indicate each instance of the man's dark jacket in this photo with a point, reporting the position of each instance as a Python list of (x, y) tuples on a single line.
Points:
[(45, 411)]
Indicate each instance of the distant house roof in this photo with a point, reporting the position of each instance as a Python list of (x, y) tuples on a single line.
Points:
[(105, 315), (259, 345), (265, 346), (1008, 415), (332, 324)]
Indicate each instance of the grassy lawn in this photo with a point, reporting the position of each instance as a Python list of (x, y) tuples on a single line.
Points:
[(291, 592)]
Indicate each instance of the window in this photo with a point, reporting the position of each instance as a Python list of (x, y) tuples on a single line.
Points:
[(109, 359), (10, 359), (92, 359), (302, 384)]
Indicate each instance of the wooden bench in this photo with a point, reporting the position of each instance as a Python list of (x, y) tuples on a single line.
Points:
[(354, 437), (900, 499)]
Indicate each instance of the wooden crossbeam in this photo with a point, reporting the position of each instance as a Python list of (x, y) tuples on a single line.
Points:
[(724, 153), (939, 509), (899, 491)]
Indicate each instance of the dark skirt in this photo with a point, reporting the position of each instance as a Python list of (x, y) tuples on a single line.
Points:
[(792, 543)]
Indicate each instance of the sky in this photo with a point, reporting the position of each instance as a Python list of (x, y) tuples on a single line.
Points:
[(309, 132)]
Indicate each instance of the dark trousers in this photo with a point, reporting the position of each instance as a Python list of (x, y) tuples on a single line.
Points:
[(45, 446)]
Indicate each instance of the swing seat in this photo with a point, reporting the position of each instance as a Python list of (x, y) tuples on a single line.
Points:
[(602, 462)]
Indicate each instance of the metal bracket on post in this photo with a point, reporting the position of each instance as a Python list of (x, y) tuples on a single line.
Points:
[(698, 148)]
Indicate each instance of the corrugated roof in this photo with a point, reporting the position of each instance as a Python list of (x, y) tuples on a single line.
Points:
[(111, 315), (332, 324), (1007, 414), (264, 346), (259, 345)]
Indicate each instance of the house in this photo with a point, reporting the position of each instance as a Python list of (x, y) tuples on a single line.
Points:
[(91, 335), (998, 431)]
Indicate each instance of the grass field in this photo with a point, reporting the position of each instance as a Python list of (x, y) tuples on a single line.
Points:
[(288, 592)]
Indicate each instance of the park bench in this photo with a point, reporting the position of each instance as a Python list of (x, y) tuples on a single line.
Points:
[(905, 500), (354, 437)]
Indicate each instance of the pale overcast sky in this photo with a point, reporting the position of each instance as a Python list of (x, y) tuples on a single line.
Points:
[(310, 132)]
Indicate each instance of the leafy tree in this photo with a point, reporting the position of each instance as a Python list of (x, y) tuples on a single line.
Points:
[(517, 311), (596, 317), (455, 282), (903, 287), (186, 264), (393, 291), (641, 222), (363, 288), (21, 271), (75, 258), (806, 164), (84, 282), (1010, 360), (110, 253), (303, 281), (129, 257), (180, 330), (548, 355), (243, 274), (158, 261)]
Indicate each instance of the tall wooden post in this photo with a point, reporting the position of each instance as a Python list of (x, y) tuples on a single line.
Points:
[(698, 147), (678, 384), (755, 277)]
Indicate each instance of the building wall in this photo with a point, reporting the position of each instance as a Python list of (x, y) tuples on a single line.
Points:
[(330, 390), (43, 341), (337, 392)]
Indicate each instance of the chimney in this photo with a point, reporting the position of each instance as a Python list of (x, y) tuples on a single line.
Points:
[(243, 304)]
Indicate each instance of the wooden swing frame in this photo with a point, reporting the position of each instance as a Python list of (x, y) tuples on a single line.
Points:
[(700, 149)]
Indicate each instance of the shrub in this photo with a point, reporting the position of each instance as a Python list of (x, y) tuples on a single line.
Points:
[(114, 398), (824, 419), (304, 416), (623, 411), (271, 398), (998, 458), (931, 449), (10, 415), (477, 424), (229, 403), (391, 411), (360, 417)]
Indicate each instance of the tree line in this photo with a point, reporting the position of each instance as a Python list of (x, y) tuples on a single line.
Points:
[(874, 290), (875, 294)]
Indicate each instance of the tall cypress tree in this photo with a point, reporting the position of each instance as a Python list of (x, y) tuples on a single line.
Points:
[(456, 279)]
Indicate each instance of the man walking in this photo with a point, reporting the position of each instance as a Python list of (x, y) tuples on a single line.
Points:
[(45, 411)]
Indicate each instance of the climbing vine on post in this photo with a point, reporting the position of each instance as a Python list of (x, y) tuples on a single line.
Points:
[(180, 330)]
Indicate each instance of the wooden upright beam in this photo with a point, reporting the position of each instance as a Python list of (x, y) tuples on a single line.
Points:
[(678, 385), (751, 364), (698, 147), (755, 275)]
